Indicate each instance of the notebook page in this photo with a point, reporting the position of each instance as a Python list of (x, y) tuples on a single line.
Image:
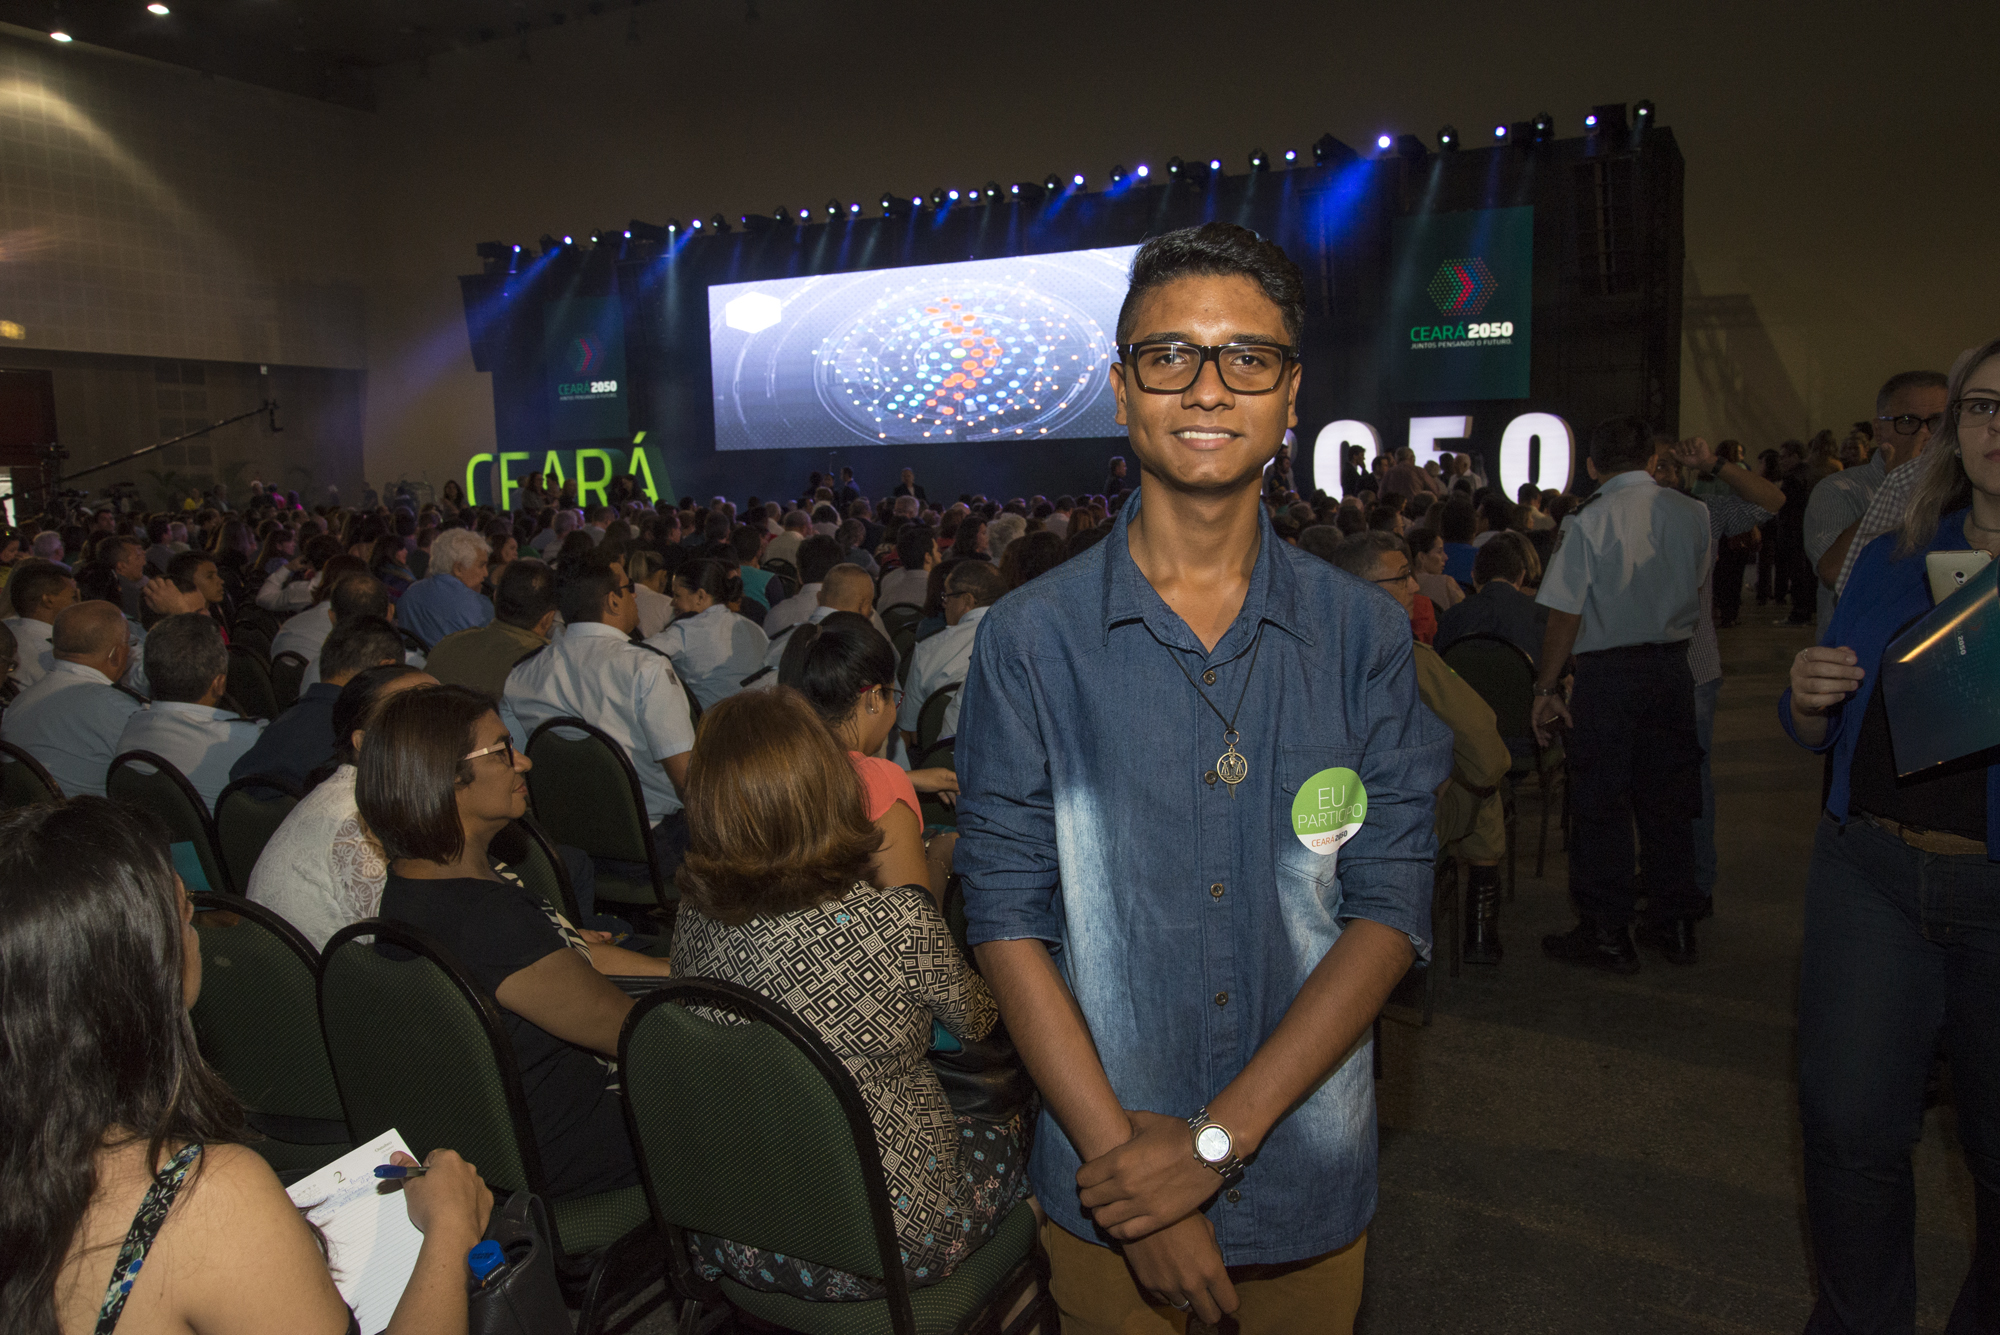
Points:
[(371, 1243)]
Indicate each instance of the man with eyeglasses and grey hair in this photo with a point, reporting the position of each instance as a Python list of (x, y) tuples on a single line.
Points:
[(1855, 506)]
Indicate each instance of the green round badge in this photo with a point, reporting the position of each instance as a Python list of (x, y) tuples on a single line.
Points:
[(1329, 809)]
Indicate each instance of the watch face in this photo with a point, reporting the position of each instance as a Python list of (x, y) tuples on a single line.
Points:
[(1212, 1144)]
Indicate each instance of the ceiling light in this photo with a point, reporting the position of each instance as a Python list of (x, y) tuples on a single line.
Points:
[(60, 36), (159, 9)]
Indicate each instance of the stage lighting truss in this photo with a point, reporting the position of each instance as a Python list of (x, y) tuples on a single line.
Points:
[(1026, 192)]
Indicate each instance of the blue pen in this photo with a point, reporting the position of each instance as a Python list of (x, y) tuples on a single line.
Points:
[(396, 1170)]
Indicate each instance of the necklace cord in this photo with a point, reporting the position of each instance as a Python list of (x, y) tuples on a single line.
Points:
[(1228, 724)]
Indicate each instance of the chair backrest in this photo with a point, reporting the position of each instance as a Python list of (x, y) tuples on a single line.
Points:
[(250, 682), (930, 719), (586, 794), (530, 856), (1503, 675), (257, 1019), (252, 638), (931, 808), (288, 674), (904, 641), (899, 615), (254, 620), (415, 1046), (23, 781), (694, 705), (247, 813), (787, 573), (754, 1132), (413, 641), (145, 780)]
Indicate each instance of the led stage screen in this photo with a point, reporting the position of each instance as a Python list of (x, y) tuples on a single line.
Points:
[(980, 351), (1461, 301)]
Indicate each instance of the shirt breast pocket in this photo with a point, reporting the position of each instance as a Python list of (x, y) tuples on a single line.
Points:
[(1323, 806)]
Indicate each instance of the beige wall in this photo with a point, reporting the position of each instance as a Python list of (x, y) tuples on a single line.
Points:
[(1833, 224)]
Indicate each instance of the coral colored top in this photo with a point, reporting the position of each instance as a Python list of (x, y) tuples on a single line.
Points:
[(883, 784)]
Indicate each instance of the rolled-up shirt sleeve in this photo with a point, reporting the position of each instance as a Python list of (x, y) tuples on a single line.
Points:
[(1006, 809), (1386, 869)]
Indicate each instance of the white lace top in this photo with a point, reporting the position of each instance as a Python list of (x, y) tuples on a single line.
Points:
[(322, 870)]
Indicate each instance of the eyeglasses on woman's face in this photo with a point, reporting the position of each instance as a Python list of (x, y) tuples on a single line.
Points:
[(1975, 412), (504, 747)]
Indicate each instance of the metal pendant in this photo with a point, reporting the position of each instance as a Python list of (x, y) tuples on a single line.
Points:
[(1231, 767)]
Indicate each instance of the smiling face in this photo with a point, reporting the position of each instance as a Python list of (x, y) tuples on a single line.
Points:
[(1206, 439), (498, 791)]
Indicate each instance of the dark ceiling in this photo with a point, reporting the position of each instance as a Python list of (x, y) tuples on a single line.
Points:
[(327, 49)]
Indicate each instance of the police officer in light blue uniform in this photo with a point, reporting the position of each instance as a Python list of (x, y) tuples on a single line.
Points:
[(71, 719), (188, 665)]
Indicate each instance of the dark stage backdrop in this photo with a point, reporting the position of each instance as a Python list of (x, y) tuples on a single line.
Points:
[(1415, 268)]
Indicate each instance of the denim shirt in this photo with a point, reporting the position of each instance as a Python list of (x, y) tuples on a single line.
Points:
[(440, 604), (1185, 921), (1883, 596)]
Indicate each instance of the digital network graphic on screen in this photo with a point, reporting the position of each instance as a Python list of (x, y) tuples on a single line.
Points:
[(981, 351)]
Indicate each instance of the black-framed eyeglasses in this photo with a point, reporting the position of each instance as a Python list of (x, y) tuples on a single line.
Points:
[(1408, 572), (505, 747), (958, 593), (1977, 412), (1907, 424), (1246, 368)]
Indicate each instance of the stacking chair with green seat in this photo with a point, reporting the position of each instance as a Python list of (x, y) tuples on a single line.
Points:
[(247, 813), (415, 1046), (530, 856), (144, 780), (23, 781), (757, 1133), (904, 641), (250, 683), (786, 572), (900, 615), (288, 674), (930, 719), (586, 794), (932, 808), (1504, 676), (257, 1022)]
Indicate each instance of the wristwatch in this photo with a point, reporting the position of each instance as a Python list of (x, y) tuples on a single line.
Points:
[(1214, 1148), (1549, 690)]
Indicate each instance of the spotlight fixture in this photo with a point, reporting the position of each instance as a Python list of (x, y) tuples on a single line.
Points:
[(1606, 119), (757, 222), (1215, 166), (853, 209), (673, 226), (60, 36), (1542, 128), (833, 208), (1590, 121), (1642, 121), (894, 206), (569, 241), (1259, 162), (1448, 140), (1410, 148), (951, 195), (938, 198), (158, 9), (783, 213), (1331, 152), (1118, 175), (1027, 191), (1052, 183), (1176, 168), (1384, 142), (805, 216), (1077, 179), (695, 226), (718, 223), (992, 190), (1642, 111), (1291, 155)]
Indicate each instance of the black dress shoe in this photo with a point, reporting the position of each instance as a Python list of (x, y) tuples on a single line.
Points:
[(1595, 945), (1673, 938)]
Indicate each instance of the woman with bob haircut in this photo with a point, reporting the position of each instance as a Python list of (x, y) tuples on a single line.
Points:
[(776, 898), (1902, 903), (438, 779), (126, 1194), (847, 673)]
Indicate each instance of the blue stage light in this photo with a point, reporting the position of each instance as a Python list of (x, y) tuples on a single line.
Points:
[(854, 208), (805, 215), (1291, 155), (951, 194), (1076, 179), (569, 241), (1499, 132), (695, 225), (1590, 121), (1142, 170), (1384, 142), (1215, 164)]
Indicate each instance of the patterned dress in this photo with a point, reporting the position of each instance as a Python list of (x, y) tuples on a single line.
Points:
[(869, 972)]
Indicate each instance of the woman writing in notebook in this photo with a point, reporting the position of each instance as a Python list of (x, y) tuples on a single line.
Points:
[(127, 1199), (1902, 940)]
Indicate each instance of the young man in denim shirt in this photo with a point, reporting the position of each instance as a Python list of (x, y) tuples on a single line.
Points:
[(1197, 791)]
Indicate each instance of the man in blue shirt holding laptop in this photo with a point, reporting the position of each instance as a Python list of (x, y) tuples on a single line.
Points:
[(1191, 924)]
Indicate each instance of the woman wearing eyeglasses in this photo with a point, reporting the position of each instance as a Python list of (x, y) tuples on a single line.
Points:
[(1902, 940), (438, 780)]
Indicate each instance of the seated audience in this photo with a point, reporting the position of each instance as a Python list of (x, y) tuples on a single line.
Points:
[(847, 673), (306, 630), (845, 588), (132, 1201), (596, 673), (302, 739), (524, 614), (652, 585), (447, 598), (1427, 553), (437, 780), (747, 544), (322, 869), (941, 660), (197, 571), (712, 648), (1458, 523), (40, 590), (295, 586), (1498, 606), (72, 717), (1471, 823), (916, 552), (1030, 555), (776, 897), (188, 666), (353, 597), (817, 555)]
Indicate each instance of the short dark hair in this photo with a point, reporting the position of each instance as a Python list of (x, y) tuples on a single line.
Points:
[(97, 582), (1500, 557), (981, 579), (411, 771), (1456, 519), (356, 643), (1621, 443), (1903, 380), (184, 567), (776, 820), (184, 654), (817, 555), (321, 548), (1499, 513), (586, 586), (1383, 517), (356, 704), (1321, 540), (358, 596), (746, 542), (716, 578), (1358, 555), (913, 544), (1029, 556), (34, 583), (1212, 250), (1420, 539), (832, 662), (525, 594)]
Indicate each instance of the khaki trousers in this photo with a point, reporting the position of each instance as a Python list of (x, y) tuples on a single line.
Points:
[(1097, 1295)]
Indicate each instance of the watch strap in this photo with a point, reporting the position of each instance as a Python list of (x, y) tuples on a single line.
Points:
[(1230, 1170)]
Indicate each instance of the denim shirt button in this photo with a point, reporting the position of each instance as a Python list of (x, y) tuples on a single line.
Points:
[(1215, 891), (1210, 778), (1222, 998), (1208, 677), (1233, 1195)]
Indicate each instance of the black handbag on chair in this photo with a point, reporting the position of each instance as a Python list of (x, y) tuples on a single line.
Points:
[(522, 1296)]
